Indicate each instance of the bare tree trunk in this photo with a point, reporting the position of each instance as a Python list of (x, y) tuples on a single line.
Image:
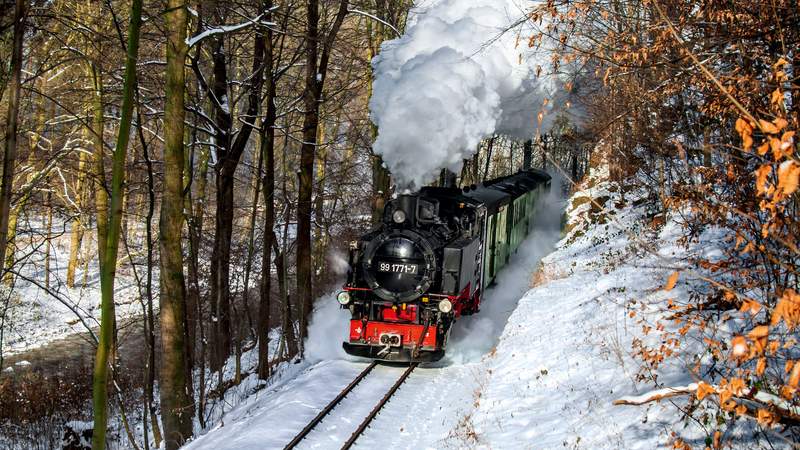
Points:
[(77, 223), (195, 213), (281, 263), (488, 157), (48, 237), (316, 69), (108, 254), (22, 201), (176, 405), (248, 266), (229, 156), (320, 243), (10, 150), (268, 186), (150, 332), (98, 174)]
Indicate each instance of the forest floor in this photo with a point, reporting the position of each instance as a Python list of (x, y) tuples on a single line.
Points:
[(539, 367)]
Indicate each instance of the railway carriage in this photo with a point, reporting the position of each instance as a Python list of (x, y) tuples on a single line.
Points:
[(429, 262)]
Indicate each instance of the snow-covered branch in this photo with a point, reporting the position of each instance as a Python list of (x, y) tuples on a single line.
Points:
[(192, 41), (378, 19), (752, 399), (657, 395)]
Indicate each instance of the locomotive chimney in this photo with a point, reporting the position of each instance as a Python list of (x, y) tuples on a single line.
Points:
[(447, 179), (527, 154), (408, 205)]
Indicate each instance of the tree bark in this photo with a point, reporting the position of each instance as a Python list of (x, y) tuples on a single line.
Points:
[(77, 222), (316, 69), (98, 173), (176, 405), (108, 252), (489, 148), (10, 150), (48, 237), (229, 154), (268, 187)]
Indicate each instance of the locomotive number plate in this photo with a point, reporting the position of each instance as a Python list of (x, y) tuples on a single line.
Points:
[(398, 268)]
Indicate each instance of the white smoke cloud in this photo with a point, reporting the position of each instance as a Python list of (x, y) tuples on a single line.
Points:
[(458, 75)]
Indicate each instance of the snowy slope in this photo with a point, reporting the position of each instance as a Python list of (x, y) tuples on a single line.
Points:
[(537, 368), (564, 355)]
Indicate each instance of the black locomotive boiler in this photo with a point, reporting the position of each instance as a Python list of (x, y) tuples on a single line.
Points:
[(429, 261)]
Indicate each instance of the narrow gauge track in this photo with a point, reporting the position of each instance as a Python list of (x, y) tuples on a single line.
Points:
[(367, 420)]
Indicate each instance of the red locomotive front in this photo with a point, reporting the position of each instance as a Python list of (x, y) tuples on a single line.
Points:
[(414, 275)]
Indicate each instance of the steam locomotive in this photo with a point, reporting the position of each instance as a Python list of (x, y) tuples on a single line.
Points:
[(429, 261)]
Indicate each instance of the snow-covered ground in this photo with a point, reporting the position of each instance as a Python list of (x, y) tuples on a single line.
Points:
[(39, 313), (539, 367)]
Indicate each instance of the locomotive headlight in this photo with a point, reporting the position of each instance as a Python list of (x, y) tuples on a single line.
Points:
[(399, 216), (445, 306), (343, 298)]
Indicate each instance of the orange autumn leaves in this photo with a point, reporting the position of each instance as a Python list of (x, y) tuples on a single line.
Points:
[(788, 309), (757, 346), (778, 177)]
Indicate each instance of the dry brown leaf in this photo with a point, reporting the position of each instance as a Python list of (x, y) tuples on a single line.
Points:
[(768, 127), (703, 390), (747, 142), (765, 418), (777, 97), (788, 177), (761, 366), (759, 332), (794, 378), (780, 123), (671, 281), (788, 309)]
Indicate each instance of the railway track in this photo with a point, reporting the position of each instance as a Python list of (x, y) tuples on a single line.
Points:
[(347, 390)]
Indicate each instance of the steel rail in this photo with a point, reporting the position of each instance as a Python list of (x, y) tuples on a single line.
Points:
[(361, 428), (325, 411)]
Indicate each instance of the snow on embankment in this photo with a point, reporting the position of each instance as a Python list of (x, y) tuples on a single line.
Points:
[(564, 355), (459, 74)]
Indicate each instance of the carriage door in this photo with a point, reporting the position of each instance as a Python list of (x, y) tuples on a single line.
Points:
[(492, 238)]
